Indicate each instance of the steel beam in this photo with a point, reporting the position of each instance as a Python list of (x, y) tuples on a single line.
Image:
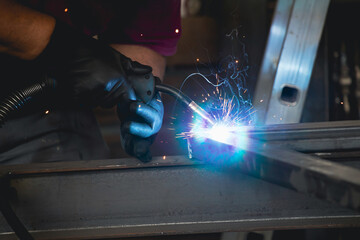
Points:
[(311, 137), (304, 173), (105, 199)]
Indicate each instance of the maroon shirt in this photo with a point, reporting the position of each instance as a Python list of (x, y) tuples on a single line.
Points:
[(151, 23)]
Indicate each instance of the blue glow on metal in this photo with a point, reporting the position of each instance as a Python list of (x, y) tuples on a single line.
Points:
[(220, 132)]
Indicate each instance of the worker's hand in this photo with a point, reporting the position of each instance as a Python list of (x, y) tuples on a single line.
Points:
[(139, 128), (87, 71)]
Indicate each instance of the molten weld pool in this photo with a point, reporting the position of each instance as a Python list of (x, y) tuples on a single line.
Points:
[(218, 144)]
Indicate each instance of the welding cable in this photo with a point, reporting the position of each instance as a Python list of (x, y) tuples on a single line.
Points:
[(188, 102), (17, 99), (9, 214)]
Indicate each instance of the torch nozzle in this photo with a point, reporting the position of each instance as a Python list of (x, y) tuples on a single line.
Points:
[(188, 102), (201, 112)]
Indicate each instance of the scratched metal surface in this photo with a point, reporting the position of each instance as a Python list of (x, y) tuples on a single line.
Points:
[(116, 201)]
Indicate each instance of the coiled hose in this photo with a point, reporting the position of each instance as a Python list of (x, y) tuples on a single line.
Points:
[(17, 99)]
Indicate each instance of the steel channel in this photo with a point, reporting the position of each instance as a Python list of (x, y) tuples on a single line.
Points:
[(310, 137), (304, 173), (305, 130), (82, 202)]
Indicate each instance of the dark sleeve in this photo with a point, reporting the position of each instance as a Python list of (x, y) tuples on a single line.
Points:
[(155, 24)]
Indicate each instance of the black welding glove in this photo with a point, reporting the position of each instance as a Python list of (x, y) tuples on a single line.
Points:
[(87, 71), (91, 73), (140, 126)]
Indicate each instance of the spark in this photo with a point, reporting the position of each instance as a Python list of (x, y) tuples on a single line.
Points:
[(66, 10), (226, 98), (177, 30), (47, 112)]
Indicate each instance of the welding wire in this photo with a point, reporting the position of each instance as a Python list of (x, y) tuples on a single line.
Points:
[(188, 102)]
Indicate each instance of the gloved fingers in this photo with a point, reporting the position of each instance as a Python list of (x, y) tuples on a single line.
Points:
[(142, 150), (137, 147), (119, 93), (142, 130), (148, 113)]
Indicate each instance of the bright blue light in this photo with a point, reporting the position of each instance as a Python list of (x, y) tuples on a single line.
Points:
[(220, 132)]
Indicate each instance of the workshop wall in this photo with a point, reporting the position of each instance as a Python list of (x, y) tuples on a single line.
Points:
[(334, 89)]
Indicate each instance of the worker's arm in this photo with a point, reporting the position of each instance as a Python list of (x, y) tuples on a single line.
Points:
[(24, 32), (87, 71), (90, 72)]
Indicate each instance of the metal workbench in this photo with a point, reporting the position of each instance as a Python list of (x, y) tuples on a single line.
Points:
[(123, 197)]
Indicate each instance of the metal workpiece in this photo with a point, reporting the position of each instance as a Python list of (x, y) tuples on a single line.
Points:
[(310, 137), (217, 192), (83, 202), (334, 129), (304, 173), (285, 74)]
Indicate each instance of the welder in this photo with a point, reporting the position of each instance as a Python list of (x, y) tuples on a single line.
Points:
[(93, 49)]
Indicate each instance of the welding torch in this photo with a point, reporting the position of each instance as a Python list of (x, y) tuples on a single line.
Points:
[(145, 88), (184, 99)]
